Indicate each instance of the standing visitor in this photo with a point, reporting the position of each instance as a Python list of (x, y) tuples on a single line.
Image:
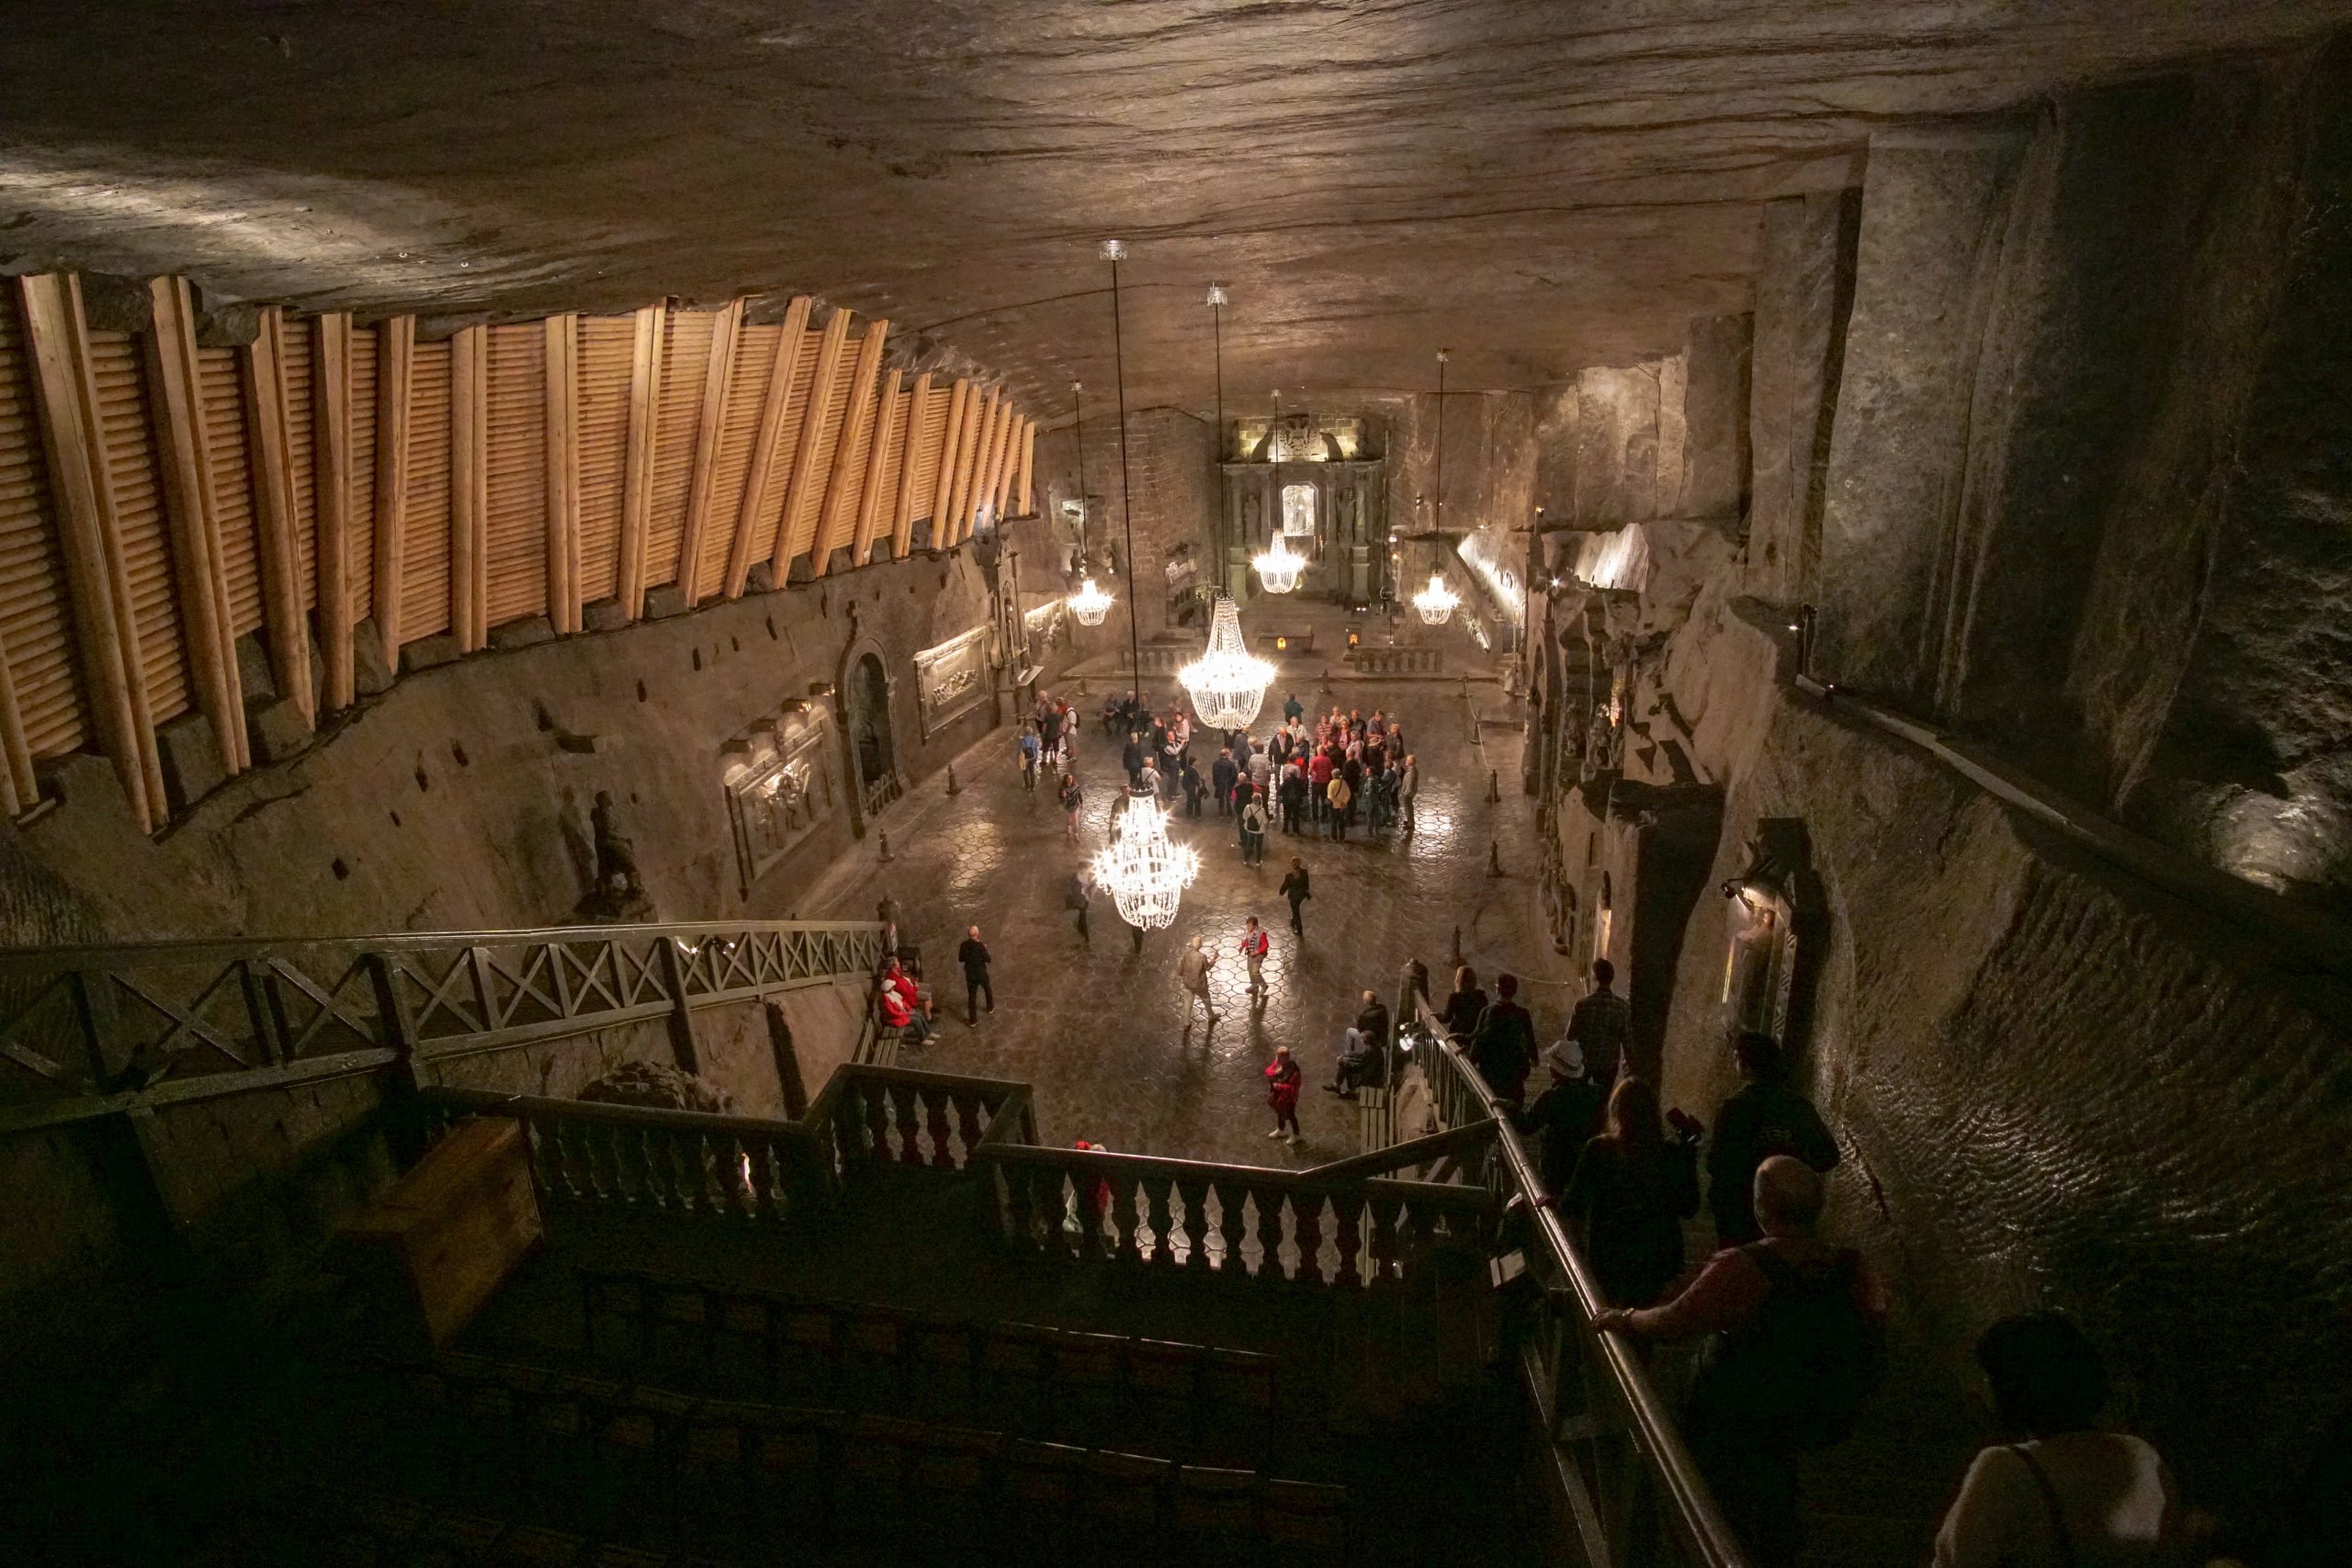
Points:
[(1073, 800), (1631, 1189), (1261, 773), (974, 956), (1503, 1045), (1319, 782), (1222, 772), (1253, 832), (1031, 750), (2062, 1491), (1193, 966), (1194, 787), (1131, 757), (1566, 1114), (1078, 896), (1764, 1116), (1295, 888), (1796, 1342), (1603, 1024), (1293, 793), (1340, 799), (1292, 709), (1283, 1078), (1465, 1005), (1408, 788), (1254, 945), (1147, 781)]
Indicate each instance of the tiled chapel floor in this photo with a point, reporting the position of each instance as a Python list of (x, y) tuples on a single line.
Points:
[(1098, 1030)]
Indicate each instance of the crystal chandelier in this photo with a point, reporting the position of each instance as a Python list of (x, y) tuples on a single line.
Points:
[(1436, 601), (1146, 873), (1278, 570), (1227, 683), (1090, 604)]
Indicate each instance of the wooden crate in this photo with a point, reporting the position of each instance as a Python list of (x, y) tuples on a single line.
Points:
[(442, 1241)]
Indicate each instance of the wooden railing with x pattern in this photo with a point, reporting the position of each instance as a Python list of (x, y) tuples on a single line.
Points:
[(89, 1031)]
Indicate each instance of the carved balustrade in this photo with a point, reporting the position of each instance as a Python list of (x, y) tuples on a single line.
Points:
[(629, 1156)]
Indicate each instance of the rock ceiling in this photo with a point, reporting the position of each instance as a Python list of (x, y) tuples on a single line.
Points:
[(1538, 185)]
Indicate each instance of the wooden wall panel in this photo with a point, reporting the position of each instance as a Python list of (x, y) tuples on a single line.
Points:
[(1025, 494), (35, 629), (754, 367), (776, 480), (296, 374), (837, 513), (560, 541), (711, 425), (685, 361), (881, 435), (900, 423), (605, 344), (425, 516), (518, 478), (820, 435), (913, 486), (330, 366), (127, 435), (362, 572), (232, 486)]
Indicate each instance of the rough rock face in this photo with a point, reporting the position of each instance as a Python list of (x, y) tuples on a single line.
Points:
[(654, 1086), (1803, 287), (2053, 1085), (1542, 187)]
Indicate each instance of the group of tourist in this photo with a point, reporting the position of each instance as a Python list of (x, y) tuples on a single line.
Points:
[(1345, 769), (1794, 1327)]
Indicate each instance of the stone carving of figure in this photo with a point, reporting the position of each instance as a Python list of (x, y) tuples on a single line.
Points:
[(616, 875)]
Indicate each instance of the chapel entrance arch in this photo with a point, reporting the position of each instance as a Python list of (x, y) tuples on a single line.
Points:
[(869, 743)]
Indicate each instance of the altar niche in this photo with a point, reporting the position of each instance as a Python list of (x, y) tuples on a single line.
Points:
[(1319, 482)]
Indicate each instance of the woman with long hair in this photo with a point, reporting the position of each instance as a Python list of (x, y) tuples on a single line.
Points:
[(1632, 1189), (1464, 1006)]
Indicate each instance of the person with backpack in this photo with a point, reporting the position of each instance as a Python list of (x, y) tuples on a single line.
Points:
[(1765, 1116), (1795, 1334), (2063, 1493), (1253, 831), (1629, 1192), (1030, 752)]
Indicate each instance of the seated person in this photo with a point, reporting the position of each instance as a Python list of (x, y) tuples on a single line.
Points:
[(1359, 1065), (902, 1006)]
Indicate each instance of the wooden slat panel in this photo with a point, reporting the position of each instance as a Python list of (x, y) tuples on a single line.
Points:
[(820, 435), (127, 435), (363, 473), (288, 642), (1026, 492), (470, 486), (644, 426), (106, 633), (881, 433), (233, 491), (301, 456), (837, 515), (330, 363), (685, 361), (560, 343), (894, 462), (739, 438), (710, 424), (395, 446), (604, 349), (35, 620), (920, 407), (950, 447), (175, 396), (989, 463), (774, 481), (516, 417), (955, 467), (424, 514)]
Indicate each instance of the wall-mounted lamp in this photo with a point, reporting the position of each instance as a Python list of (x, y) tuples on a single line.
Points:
[(820, 688)]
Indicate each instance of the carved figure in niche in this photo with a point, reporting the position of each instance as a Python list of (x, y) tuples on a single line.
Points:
[(616, 874), (1250, 513)]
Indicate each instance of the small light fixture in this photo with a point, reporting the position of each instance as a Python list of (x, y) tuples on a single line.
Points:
[(1216, 296), (1114, 250), (1354, 636), (1282, 644)]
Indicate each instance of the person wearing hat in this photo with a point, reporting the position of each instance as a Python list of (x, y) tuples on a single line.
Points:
[(1566, 1113), (1283, 1078)]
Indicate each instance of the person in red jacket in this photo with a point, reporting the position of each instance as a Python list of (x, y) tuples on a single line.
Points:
[(1283, 1078)]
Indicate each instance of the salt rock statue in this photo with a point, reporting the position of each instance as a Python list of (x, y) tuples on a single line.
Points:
[(651, 1086)]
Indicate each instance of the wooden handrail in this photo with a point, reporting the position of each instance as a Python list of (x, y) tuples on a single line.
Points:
[(17, 960)]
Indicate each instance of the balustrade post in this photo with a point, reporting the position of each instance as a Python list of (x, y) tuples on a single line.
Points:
[(943, 1154)]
